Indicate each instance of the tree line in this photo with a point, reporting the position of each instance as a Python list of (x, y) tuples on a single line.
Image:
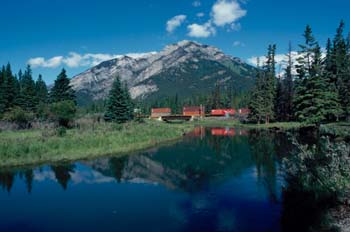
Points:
[(23, 99), (314, 89)]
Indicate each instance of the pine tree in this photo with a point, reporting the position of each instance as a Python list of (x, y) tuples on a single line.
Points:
[(62, 91), (256, 101), (11, 87), (315, 102), (118, 104), (288, 88), (41, 90), (2, 91), (27, 96), (269, 85)]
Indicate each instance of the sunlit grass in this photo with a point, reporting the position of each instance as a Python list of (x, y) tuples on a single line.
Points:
[(43, 146)]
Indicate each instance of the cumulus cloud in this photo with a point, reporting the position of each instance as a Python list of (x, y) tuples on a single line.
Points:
[(200, 14), (196, 4), (226, 12), (175, 22), (75, 60), (281, 61), (201, 31)]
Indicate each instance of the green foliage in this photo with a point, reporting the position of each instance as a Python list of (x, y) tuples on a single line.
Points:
[(323, 168), (27, 98), (63, 112), (61, 131), (43, 146), (262, 99), (41, 90), (119, 104), (315, 101), (62, 91), (285, 92), (9, 89), (19, 116)]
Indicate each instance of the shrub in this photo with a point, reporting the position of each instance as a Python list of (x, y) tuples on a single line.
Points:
[(61, 131), (63, 112), (20, 117)]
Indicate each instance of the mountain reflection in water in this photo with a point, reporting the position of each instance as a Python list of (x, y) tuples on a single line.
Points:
[(215, 179)]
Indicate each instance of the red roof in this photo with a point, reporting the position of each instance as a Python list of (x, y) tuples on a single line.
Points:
[(192, 108), (223, 112), (161, 110)]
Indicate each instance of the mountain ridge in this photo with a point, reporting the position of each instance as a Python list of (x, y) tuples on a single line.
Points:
[(186, 67)]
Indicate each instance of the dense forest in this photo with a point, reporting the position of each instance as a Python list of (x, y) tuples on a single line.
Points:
[(314, 88)]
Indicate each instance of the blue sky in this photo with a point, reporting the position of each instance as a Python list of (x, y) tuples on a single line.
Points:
[(76, 34)]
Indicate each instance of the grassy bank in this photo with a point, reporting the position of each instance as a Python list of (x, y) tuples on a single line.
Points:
[(45, 146), (217, 122)]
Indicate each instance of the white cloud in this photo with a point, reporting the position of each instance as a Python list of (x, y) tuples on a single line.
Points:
[(238, 44), (75, 60), (200, 14), (53, 62), (281, 61), (196, 4), (175, 22), (201, 31), (226, 12)]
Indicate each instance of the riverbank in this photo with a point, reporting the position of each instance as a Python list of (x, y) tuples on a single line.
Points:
[(18, 148), (223, 122)]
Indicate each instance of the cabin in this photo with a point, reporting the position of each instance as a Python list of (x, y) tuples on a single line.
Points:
[(160, 112), (223, 112), (194, 111), (244, 111)]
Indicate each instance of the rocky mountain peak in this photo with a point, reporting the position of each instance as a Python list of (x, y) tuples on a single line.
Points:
[(140, 71)]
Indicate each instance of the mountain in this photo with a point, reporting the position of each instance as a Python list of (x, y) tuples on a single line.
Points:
[(185, 68)]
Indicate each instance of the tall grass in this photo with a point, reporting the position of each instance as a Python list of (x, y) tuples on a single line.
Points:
[(86, 141)]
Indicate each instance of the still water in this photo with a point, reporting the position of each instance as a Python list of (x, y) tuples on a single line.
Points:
[(215, 179)]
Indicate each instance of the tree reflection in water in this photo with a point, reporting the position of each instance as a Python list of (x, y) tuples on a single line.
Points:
[(62, 173)]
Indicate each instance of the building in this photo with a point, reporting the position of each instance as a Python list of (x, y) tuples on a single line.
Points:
[(244, 111), (159, 112), (194, 111), (223, 112)]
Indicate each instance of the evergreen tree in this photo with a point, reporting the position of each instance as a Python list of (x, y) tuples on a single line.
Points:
[(288, 88), (315, 102), (41, 90), (256, 101), (118, 104), (27, 97), (62, 91), (2, 91), (11, 87)]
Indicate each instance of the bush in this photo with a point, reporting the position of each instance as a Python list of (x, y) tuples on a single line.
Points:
[(322, 169), (61, 131), (20, 117), (63, 112)]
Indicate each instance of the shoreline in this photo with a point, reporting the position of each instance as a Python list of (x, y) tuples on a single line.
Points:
[(81, 144)]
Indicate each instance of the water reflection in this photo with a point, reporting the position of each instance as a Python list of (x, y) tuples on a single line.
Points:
[(216, 179)]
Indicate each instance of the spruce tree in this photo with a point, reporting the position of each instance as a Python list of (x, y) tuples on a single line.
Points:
[(11, 87), (256, 99), (41, 90), (62, 91), (27, 97), (315, 102), (288, 88), (2, 91), (269, 85), (118, 104)]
